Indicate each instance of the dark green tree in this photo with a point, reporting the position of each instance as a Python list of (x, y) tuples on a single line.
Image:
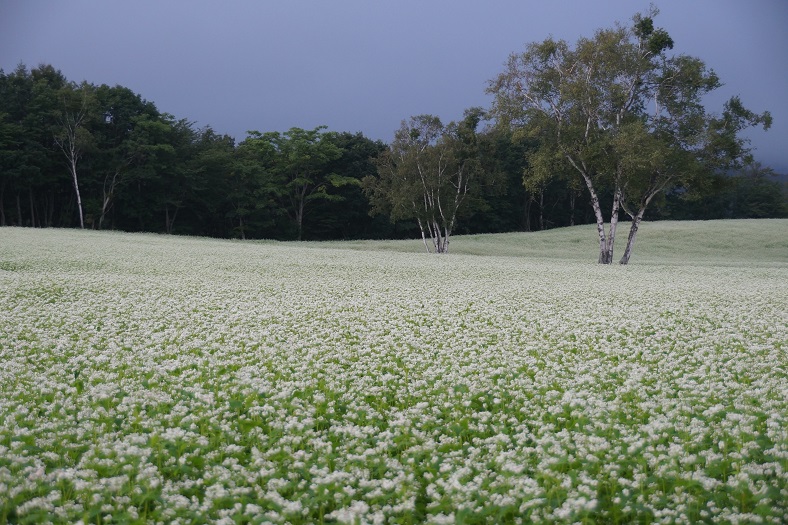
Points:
[(117, 145), (32, 175), (8, 150), (757, 193), (294, 170), (346, 214), (154, 188), (212, 165)]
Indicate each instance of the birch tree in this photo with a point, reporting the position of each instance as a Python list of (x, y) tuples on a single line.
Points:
[(427, 175), (621, 113), (72, 136)]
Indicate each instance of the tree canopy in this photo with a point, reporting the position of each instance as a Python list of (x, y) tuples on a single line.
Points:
[(428, 174), (622, 113)]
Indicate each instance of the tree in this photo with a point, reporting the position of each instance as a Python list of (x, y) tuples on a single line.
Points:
[(7, 157), (623, 114), (32, 163), (178, 177), (427, 174), (156, 185), (117, 141), (72, 135), (212, 163), (756, 193), (346, 214), (294, 169), (505, 205)]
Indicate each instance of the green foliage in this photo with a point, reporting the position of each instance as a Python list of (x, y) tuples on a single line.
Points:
[(623, 115), (138, 169), (432, 174), (752, 192), (345, 215), (291, 169)]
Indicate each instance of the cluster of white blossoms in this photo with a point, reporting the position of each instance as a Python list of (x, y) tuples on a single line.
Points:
[(161, 379)]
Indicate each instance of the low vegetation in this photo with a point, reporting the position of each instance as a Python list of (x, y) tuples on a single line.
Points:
[(151, 378)]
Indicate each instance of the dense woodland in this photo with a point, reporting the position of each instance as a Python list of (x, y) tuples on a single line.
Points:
[(101, 157)]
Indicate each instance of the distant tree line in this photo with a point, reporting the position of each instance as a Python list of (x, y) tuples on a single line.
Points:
[(81, 155), (101, 157)]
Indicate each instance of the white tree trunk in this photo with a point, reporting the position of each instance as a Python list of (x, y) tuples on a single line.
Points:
[(70, 144), (633, 231), (73, 168), (611, 236), (636, 219), (423, 235), (600, 222), (605, 242)]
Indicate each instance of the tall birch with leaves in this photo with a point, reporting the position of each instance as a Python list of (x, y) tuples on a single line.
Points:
[(72, 135), (428, 175), (624, 115)]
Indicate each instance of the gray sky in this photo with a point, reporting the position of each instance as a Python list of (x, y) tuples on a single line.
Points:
[(364, 65)]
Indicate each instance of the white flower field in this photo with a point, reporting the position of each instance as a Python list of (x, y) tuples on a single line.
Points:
[(159, 379)]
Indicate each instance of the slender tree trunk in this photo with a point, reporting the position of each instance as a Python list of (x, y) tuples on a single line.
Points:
[(76, 189), (18, 210), (107, 194), (633, 231), (32, 208), (528, 203), (2, 207), (541, 210), (611, 237), (170, 221), (72, 145), (572, 198), (423, 235), (440, 237), (300, 217), (636, 220), (600, 223), (604, 257), (433, 235), (241, 227)]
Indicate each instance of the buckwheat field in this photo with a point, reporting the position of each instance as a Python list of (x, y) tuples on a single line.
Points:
[(159, 379)]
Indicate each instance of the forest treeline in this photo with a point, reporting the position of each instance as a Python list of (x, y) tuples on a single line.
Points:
[(101, 157)]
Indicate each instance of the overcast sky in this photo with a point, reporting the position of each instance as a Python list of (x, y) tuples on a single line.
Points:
[(364, 65)]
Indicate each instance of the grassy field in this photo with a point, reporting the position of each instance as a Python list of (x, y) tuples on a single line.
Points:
[(148, 378)]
